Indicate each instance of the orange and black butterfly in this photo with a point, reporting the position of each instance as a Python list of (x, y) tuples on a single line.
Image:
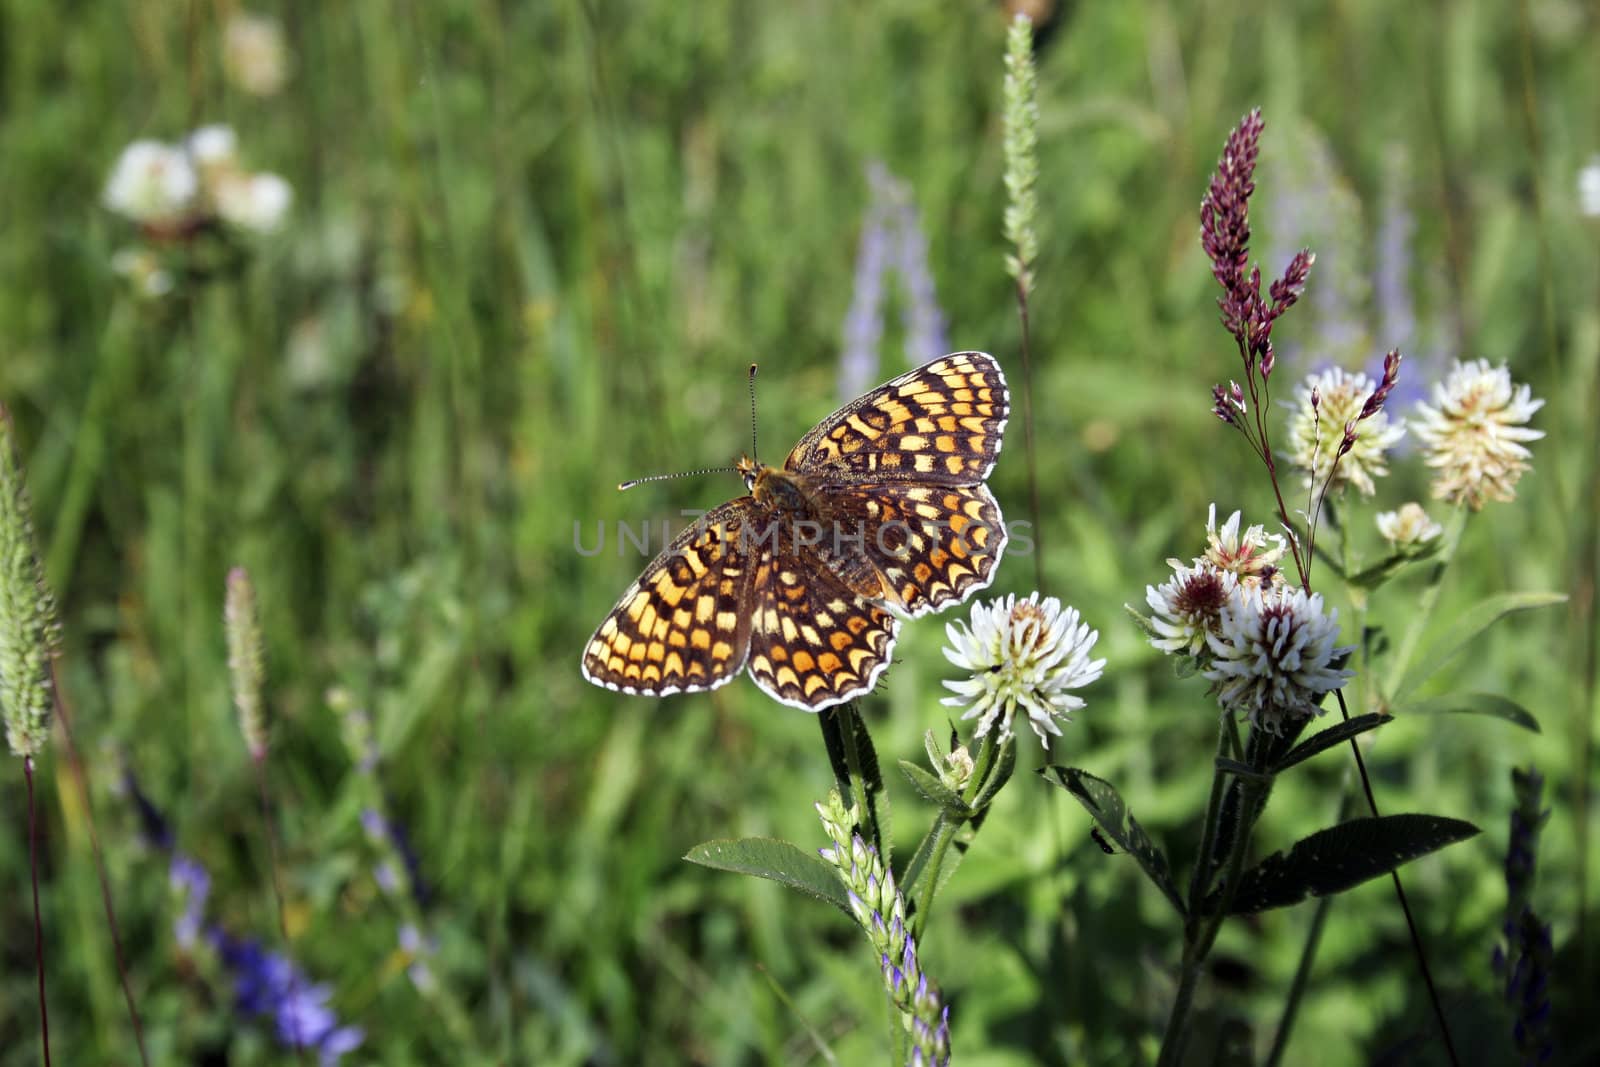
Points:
[(880, 511)]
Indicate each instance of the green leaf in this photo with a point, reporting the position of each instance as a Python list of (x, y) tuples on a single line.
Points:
[(1490, 704), (780, 861), (1241, 770), (1380, 572), (927, 783), (1099, 797), (1333, 735), (1335, 859), (1469, 625)]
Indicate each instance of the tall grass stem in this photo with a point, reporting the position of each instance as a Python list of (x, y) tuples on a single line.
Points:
[(38, 924), (80, 778)]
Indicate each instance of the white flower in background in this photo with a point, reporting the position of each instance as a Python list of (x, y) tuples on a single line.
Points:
[(1472, 434), (152, 183), (1589, 188), (255, 202), (1408, 526), (214, 148), (1275, 654), (1021, 653), (1253, 558), (254, 55), (1188, 606), (1316, 432), (143, 268)]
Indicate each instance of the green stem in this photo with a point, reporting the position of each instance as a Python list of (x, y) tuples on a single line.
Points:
[(1173, 1039), (1425, 604), (982, 767), (1201, 929), (1308, 952), (1201, 881), (944, 829)]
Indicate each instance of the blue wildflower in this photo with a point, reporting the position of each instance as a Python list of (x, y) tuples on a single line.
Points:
[(892, 241), (193, 882), (267, 984)]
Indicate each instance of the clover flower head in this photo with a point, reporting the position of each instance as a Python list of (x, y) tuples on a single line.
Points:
[(1252, 557), (1021, 653), (1473, 431), (1325, 441), (1276, 654), (255, 202), (254, 55), (152, 183), (213, 147), (1408, 527), (1188, 606)]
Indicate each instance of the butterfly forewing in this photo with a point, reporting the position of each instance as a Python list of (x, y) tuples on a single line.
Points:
[(941, 423), (685, 624)]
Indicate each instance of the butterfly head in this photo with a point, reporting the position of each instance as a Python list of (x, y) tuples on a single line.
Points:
[(780, 489), (750, 471)]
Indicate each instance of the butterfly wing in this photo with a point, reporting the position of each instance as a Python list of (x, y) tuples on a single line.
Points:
[(930, 545), (684, 626), (813, 642), (939, 424)]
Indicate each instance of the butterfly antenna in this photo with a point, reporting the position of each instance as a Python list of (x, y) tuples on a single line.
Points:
[(663, 477), (755, 455)]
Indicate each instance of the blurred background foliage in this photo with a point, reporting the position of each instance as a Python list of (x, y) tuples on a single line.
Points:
[(532, 249)]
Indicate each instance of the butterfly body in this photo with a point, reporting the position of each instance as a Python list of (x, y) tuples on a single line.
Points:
[(879, 512), (777, 490)]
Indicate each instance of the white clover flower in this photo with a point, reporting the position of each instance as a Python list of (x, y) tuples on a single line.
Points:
[(253, 53), (1472, 431), (1253, 558), (255, 202), (1408, 526), (214, 147), (1589, 188), (1021, 653), (152, 183), (1274, 654), (1316, 432), (1188, 606)]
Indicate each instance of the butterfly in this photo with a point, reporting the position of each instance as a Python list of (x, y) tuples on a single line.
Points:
[(880, 512)]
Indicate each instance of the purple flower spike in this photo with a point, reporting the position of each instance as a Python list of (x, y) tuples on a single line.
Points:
[(892, 242), (191, 879), (266, 984), (1391, 375)]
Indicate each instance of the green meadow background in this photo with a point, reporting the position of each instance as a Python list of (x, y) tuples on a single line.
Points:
[(532, 251)]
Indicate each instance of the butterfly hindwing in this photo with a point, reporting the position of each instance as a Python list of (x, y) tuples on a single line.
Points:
[(684, 625), (814, 643), (931, 545)]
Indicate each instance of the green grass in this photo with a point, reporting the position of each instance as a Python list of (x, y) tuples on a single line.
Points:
[(533, 249)]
